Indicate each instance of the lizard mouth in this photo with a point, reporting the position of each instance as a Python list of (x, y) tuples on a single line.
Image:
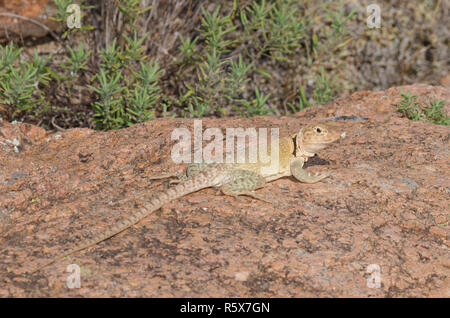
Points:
[(317, 145)]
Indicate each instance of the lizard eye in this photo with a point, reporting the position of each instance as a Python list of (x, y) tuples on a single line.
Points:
[(318, 130)]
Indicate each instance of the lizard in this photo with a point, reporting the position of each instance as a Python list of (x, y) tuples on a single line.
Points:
[(233, 179)]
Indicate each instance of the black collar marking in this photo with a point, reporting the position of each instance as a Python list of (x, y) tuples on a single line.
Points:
[(294, 140)]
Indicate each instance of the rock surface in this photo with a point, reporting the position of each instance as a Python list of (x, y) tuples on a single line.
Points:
[(25, 18), (386, 203)]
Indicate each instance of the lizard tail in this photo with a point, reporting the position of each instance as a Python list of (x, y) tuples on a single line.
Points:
[(203, 180)]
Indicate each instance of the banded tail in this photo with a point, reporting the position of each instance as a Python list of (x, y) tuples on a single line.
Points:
[(204, 179)]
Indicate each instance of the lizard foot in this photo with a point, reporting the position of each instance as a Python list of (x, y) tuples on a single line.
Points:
[(306, 177)]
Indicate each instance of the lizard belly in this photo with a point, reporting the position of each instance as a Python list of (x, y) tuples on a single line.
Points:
[(266, 170)]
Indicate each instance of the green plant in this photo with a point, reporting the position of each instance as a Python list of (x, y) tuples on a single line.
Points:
[(409, 106), (142, 99), (16, 89), (19, 82), (166, 104), (187, 49), (131, 11), (277, 28), (9, 55), (213, 30), (219, 81), (339, 19), (325, 88), (256, 107), (139, 106), (238, 60), (109, 110), (62, 14), (323, 93), (134, 49), (113, 57), (302, 101), (434, 113), (124, 101), (77, 60), (197, 108), (236, 79), (61, 10), (209, 92), (42, 70)]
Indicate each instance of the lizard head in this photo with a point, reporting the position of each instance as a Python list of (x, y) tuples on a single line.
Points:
[(312, 139)]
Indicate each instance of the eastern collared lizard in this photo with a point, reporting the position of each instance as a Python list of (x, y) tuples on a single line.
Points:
[(232, 178)]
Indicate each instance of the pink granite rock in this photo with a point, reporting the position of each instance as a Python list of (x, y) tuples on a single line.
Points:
[(385, 208)]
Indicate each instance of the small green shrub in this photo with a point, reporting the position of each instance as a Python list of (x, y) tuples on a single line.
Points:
[(62, 14), (325, 88), (19, 82), (77, 60), (322, 94), (234, 62), (127, 85), (301, 103), (412, 109), (409, 106), (276, 28), (141, 100), (109, 110), (435, 114)]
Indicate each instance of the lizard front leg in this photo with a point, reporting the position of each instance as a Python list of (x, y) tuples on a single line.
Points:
[(302, 175)]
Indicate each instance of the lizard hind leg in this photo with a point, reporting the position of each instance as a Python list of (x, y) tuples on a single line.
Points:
[(195, 168), (245, 182)]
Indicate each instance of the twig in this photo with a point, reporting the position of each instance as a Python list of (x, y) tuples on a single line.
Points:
[(55, 125)]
